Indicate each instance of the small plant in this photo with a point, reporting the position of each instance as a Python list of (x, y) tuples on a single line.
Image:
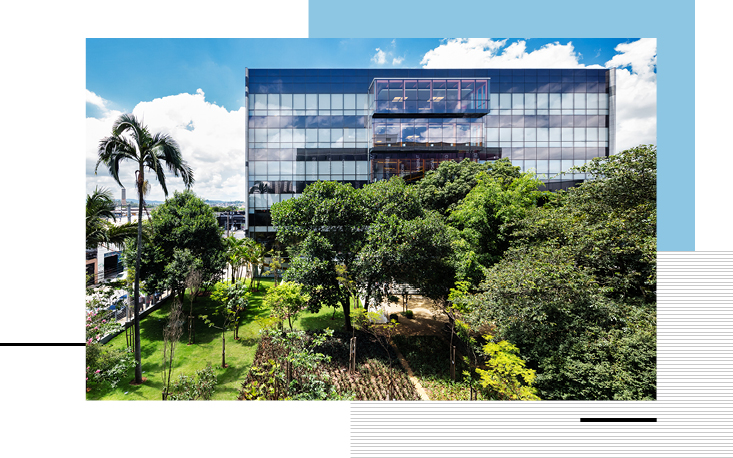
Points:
[(286, 301), (200, 387), (393, 316), (171, 333), (507, 375), (408, 313)]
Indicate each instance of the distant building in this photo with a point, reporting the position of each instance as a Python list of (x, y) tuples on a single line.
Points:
[(103, 264)]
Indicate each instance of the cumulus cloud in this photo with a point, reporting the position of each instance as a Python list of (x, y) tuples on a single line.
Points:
[(487, 53), (96, 100), (383, 56), (211, 139), (636, 89), (380, 57), (636, 82)]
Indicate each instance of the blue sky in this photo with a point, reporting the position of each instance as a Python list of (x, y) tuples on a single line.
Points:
[(177, 83), (128, 71)]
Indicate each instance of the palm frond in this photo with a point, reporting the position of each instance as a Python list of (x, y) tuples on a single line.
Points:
[(100, 204), (117, 235), (113, 150), (130, 123)]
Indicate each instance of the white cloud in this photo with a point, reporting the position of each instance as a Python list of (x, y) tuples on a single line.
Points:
[(96, 100), (210, 137), (488, 53), (380, 57), (636, 89), (636, 85)]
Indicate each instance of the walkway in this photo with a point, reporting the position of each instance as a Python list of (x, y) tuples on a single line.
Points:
[(426, 321)]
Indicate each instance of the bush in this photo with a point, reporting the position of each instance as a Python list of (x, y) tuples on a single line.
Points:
[(393, 316), (200, 387), (107, 367), (408, 313)]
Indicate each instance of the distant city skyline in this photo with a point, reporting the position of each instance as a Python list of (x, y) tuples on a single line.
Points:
[(193, 89)]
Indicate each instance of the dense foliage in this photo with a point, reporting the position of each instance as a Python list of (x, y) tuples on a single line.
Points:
[(99, 230), (105, 367), (568, 278), (372, 236), (575, 291), (184, 231), (285, 301)]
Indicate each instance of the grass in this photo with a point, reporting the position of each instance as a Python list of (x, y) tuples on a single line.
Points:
[(206, 350)]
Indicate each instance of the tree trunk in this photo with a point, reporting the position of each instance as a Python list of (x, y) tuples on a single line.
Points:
[(223, 351), (136, 296), (347, 313)]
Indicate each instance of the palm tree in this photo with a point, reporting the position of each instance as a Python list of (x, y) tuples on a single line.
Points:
[(236, 255), (99, 231), (256, 258), (131, 141)]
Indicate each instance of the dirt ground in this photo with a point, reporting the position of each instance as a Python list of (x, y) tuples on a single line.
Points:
[(426, 319)]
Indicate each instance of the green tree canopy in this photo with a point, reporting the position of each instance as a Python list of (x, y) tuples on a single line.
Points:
[(183, 222), (377, 235), (443, 188), (326, 226), (609, 222), (286, 301), (575, 289), (482, 221)]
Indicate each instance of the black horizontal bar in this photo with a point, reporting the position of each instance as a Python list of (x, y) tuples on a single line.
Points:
[(618, 420)]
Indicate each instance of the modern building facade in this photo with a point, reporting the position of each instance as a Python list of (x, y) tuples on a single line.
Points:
[(364, 125)]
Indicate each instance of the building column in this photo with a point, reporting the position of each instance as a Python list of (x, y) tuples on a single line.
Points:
[(246, 150), (612, 111)]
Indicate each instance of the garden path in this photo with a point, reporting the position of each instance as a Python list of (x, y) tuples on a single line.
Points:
[(425, 321)]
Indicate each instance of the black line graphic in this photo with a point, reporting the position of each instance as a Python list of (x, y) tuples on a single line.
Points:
[(618, 420)]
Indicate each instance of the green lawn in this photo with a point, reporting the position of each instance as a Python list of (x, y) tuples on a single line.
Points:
[(207, 349)]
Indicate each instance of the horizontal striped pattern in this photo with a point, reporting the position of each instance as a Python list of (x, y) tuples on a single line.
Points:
[(693, 410)]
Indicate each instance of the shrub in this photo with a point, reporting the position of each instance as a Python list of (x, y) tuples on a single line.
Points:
[(408, 313), (188, 388)]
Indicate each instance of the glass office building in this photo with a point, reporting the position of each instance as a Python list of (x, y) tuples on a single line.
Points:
[(363, 125)]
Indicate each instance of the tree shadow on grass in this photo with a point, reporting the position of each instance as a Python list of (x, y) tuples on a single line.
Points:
[(313, 322), (428, 356)]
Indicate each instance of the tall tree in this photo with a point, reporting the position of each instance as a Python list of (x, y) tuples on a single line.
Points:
[(184, 228), (132, 141), (327, 225), (482, 221)]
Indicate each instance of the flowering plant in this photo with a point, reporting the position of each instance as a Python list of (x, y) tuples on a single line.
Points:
[(104, 366)]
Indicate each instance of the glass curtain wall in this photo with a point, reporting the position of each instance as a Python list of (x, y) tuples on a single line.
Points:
[(315, 124)]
